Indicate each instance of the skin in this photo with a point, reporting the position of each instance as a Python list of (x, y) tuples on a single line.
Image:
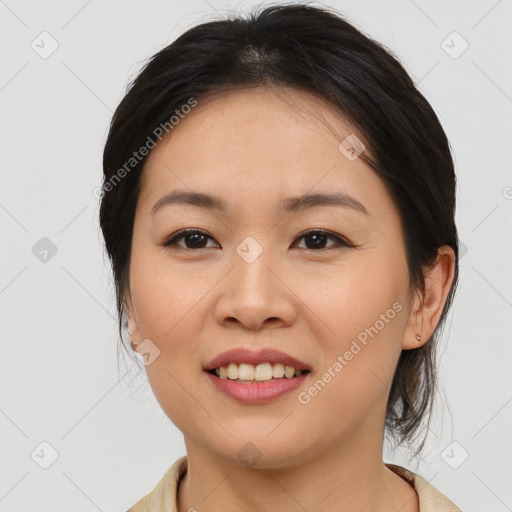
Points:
[(253, 148)]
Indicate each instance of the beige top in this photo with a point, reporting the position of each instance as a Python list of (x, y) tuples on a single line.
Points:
[(163, 498)]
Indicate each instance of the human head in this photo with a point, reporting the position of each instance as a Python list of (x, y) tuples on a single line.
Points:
[(282, 45)]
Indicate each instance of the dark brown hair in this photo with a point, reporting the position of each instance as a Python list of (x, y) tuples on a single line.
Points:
[(315, 50)]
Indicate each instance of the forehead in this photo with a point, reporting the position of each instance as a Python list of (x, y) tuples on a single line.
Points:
[(260, 142), (271, 114)]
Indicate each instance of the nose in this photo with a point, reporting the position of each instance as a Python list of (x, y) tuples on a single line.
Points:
[(255, 295)]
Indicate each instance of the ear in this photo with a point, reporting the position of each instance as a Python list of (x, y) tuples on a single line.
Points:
[(131, 319), (426, 310)]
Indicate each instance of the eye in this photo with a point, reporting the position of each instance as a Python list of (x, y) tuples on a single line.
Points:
[(197, 239), (194, 239), (319, 237)]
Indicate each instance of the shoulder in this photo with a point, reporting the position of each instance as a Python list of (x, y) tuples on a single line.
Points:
[(430, 499), (163, 498)]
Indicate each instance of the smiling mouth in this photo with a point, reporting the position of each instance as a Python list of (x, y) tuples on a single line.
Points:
[(249, 373)]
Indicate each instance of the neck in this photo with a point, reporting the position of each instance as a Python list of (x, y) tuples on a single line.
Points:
[(342, 476)]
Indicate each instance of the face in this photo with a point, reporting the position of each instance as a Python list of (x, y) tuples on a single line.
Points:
[(323, 282)]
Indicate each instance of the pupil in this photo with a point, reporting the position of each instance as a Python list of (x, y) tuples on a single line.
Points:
[(196, 237), (320, 239)]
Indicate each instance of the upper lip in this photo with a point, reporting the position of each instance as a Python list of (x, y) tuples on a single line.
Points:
[(264, 355)]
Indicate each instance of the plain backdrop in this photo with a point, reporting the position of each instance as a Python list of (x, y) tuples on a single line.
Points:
[(66, 401)]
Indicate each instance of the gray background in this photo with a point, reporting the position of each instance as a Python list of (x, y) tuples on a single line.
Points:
[(108, 442)]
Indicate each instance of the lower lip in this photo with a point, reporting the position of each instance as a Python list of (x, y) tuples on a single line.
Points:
[(258, 392)]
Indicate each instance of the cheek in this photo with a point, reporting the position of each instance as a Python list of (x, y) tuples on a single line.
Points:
[(358, 366), (171, 316), (171, 324), (352, 298), (164, 292), (170, 313), (362, 316)]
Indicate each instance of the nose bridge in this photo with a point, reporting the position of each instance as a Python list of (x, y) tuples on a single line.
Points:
[(251, 273), (255, 293)]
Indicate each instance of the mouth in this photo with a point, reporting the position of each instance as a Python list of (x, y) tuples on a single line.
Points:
[(256, 376), (244, 365)]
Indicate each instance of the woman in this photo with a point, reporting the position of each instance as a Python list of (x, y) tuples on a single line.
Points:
[(278, 207)]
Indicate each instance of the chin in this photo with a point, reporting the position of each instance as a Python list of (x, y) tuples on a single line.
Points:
[(256, 452)]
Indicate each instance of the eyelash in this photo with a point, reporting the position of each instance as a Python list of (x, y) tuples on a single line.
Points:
[(172, 241)]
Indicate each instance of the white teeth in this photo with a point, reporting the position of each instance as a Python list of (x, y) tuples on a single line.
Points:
[(260, 372), (263, 372), (289, 372), (232, 371), (278, 371), (245, 371)]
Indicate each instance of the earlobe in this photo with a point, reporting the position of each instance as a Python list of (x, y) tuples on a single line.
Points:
[(132, 328), (428, 308)]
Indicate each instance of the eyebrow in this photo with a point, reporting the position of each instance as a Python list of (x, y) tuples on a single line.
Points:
[(290, 204)]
